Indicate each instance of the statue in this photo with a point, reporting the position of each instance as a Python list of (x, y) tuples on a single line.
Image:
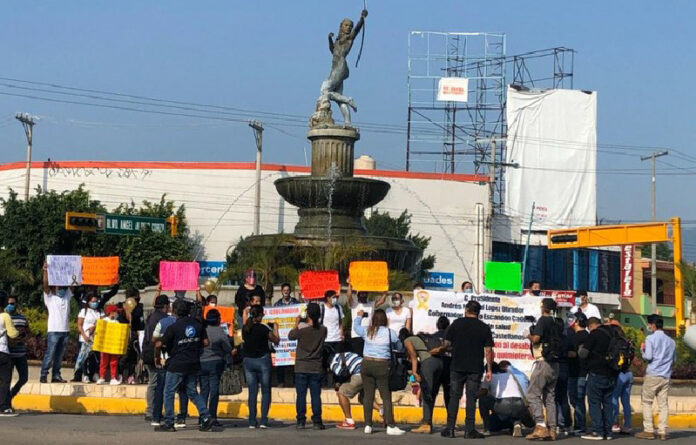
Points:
[(332, 88)]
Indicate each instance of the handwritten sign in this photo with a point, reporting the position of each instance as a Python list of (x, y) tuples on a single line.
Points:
[(100, 271), (226, 317), (64, 270), (284, 317), (369, 275), (111, 338), (179, 275), (315, 282)]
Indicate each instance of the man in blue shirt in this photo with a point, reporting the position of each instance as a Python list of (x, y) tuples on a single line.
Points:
[(659, 351)]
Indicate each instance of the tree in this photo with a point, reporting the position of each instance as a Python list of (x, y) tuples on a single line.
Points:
[(383, 224), (663, 251)]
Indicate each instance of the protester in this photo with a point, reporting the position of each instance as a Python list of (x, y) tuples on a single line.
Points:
[(346, 368), (399, 316), (286, 298), (213, 362), (257, 363), (357, 343), (211, 300), (136, 319), (582, 303), (184, 341), (577, 372), (106, 359), (467, 287), (18, 348), (624, 382), (332, 318), (534, 288), (245, 291), (254, 300), (600, 379), (157, 323), (469, 340), (547, 347), (7, 332), (446, 357), (86, 324), (426, 370), (659, 351), (503, 404), (82, 294), (57, 301), (564, 422), (310, 335), (379, 341)]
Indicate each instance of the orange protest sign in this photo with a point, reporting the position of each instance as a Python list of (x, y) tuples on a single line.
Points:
[(369, 275), (315, 282), (100, 271), (226, 315)]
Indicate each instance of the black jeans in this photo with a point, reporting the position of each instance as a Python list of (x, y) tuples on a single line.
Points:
[(20, 364), (430, 373), (5, 377), (600, 389), (563, 418), (458, 380), (501, 414)]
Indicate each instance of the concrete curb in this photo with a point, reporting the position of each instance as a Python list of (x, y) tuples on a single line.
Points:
[(279, 411)]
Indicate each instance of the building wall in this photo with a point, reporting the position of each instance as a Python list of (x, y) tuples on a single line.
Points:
[(219, 199)]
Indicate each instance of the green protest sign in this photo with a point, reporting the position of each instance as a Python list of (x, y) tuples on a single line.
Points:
[(503, 276)]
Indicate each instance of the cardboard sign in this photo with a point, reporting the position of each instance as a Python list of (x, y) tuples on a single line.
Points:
[(503, 276), (284, 317), (179, 275), (315, 282), (369, 275), (111, 338), (100, 271), (64, 270), (226, 317)]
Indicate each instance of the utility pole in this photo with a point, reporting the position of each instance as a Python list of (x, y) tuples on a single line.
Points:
[(27, 122), (258, 135), (653, 256)]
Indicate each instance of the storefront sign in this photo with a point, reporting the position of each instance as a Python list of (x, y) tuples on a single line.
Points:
[(439, 280), (627, 271)]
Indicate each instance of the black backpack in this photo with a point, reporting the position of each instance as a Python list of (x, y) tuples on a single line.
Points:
[(553, 349), (431, 340), (620, 352)]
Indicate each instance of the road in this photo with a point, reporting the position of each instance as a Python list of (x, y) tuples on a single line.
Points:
[(32, 429)]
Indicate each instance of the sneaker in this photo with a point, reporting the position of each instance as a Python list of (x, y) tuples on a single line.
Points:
[(539, 433), (423, 429), (486, 433), (85, 379), (609, 437), (165, 429), (625, 431), (263, 427), (395, 431), (131, 380), (252, 427), (114, 382), (155, 423), (517, 430), (577, 432), (647, 435), (345, 426), (473, 435), (43, 379), (217, 424), (318, 426), (663, 436), (593, 436), (615, 428), (179, 424), (58, 379), (9, 412), (298, 426), (368, 429), (447, 432), (207, 424), (101, 382)]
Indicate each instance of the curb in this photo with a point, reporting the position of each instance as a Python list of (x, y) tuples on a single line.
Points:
[(278, 411)]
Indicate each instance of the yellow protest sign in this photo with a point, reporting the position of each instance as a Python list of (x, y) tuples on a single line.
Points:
[(111, 338), (369, 275), (100, 271)]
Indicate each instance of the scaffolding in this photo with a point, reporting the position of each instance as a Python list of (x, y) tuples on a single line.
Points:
[(470, 137)]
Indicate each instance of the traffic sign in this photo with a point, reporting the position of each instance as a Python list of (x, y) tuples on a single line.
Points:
[(131, 225)]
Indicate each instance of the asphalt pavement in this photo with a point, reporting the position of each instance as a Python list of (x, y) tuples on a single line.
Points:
[(35, 428)]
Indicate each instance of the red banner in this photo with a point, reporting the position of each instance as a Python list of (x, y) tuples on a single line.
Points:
[(564, 298), (627, 252), (314, 283)]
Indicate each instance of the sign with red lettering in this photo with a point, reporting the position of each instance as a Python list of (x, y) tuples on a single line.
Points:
[(454, 89), (627, 271), (315, 282)]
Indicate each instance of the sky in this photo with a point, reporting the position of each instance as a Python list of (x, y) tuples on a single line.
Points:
[(271, 56)]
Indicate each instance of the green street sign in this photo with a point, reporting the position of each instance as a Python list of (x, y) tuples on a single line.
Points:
[(132, 225)]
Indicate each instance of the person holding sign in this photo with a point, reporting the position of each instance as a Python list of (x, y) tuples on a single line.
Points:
[(399, 316), (57, 301), (367, 308), (86, 325)]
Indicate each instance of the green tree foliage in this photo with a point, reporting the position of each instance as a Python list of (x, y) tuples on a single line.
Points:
[(33, 229), (663, 251), (383, 224)]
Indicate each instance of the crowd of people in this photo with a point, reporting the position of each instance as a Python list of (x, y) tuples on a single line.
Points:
[(579, 360)]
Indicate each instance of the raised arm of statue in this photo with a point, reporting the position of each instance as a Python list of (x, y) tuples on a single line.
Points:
[(331, 42), (359, 25)]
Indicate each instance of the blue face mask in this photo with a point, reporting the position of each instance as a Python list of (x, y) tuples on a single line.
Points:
[(93, 304), (10, 308), (469, 291), (578, 301), (61, 292)]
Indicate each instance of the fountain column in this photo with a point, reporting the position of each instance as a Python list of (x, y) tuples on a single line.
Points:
[(333, 151)]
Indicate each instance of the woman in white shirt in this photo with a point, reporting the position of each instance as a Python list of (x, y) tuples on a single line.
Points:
[(399, 316), (86, 325)]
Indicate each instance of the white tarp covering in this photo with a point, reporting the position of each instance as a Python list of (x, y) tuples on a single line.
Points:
[(552, 135)]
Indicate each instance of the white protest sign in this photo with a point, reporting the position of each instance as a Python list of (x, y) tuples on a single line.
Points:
[(284, 317), (64, 270), (504, 314)]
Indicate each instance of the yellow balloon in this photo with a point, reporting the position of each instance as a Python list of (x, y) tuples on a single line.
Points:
[(210, 286), (129, 304)]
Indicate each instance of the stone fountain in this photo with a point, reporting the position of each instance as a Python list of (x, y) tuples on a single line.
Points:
[(331, 201)]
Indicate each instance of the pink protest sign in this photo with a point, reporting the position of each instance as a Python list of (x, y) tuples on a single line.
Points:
[(178, 275)]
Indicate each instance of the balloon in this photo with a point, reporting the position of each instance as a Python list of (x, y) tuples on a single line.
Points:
[(690, 337), (210, 286), (129, 304)]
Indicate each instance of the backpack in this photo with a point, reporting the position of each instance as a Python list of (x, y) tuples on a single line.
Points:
[(431, 340), (552, 350), (620, 352)]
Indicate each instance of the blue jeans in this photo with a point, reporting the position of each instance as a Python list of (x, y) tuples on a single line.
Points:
[(577, 391), (55, 348), (81, 360), (313, 382), (187, 381), (157, 377), (258, 370), (599, 392), (210, 384), (622, 391)]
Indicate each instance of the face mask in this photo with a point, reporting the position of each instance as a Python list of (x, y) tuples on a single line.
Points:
[(212, 304), (93, 305), (334, 300), (61, 292), (578, 301), (397, 303), (10, 308), (469, 291), (536, 292)]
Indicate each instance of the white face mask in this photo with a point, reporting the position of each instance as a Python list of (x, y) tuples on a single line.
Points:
[(334, 300), (212, 304), (397, 303)]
